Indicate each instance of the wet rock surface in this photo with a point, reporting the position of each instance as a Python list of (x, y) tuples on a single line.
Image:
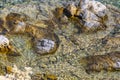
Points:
[(6, 47), (16, 23), (108, 62), (90, 15), (74, 44), (45, 46)]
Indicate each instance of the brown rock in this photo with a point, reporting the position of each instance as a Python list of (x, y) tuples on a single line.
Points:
[(16, 22), (109, 61)]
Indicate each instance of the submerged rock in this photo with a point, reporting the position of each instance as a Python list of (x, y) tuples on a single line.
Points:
[(45, 41), (39, 76), (4, 44), (89, 14), (16, 22), (2, 69), (18, 74), (72, 9), (94, 6), (7, 48), (93, 12), (1, 24), (109, 61), (46, 44)]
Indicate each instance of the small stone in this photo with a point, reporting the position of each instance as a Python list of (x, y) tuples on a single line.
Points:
[(39, 76), (108, 61), (6, 47), (9, 69), (43, 65), (20, 27), (49, 77), (4, 44), (117, 65), (16, 22), (52, 59), (72, 8), (58, 12), (44, 46), (3, 41)]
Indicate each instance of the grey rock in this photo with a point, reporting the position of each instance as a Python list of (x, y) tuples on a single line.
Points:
[(44, 46)]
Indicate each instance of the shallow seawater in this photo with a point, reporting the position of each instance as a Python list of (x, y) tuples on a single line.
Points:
[(13, 2), (112, 2), (65, 63)]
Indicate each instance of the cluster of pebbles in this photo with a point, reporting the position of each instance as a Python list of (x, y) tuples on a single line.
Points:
[(44, 41), (92, 16), (89, 15)]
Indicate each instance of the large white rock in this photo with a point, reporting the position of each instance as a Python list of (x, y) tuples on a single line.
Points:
[(91, 24), (94, 6), (98, 8), (89, 16), (92, 13)]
